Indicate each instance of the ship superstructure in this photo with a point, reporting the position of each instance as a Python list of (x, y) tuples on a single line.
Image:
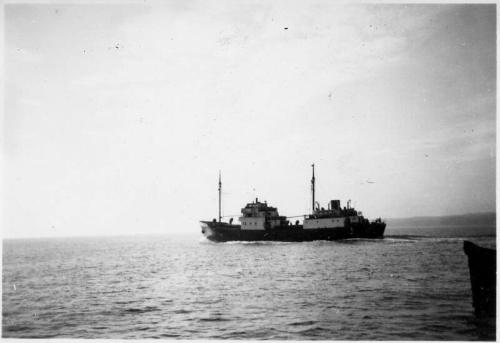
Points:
[(260, 216), (260, 221)]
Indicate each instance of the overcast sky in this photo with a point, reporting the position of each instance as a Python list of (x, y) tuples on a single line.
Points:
[(118, 118)]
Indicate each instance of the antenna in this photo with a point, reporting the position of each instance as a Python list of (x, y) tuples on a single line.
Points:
[(220, 188), (313, 181)]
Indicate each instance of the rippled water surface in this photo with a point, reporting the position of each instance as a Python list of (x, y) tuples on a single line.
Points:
[(399, 288)]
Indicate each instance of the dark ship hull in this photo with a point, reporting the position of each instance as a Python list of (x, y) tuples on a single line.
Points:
[(224, 232), (482, 267)]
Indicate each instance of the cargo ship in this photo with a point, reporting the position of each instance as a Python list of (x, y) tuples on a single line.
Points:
[(261, 222)]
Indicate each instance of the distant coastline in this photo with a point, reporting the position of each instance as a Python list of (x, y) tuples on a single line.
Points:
[(483, 219)]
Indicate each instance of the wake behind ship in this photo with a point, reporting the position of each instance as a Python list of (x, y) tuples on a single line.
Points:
[(260, 222)]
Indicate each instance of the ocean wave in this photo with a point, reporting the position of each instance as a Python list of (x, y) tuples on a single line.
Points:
[(404, 237), (399, 240), (329, 290), (141, 310), (304, 323), (257, 243), (315, 331), (213, 319), (446, 239)]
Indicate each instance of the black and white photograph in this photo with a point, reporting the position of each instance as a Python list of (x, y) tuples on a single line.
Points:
[(249, 170)]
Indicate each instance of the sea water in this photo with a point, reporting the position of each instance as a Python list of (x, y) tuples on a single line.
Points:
[(404, 287)]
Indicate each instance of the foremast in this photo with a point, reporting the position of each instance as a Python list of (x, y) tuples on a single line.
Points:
[(220, 189), (313, 182)]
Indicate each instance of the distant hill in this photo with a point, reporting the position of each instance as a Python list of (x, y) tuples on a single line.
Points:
[(470, 219)]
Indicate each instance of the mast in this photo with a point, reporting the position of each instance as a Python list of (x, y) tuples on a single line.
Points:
[(313, 180), (220, 188)]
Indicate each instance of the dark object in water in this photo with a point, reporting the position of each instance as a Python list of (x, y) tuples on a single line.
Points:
[(482, 267)]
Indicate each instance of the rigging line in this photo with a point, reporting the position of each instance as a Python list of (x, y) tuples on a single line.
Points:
[(237, 215)]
